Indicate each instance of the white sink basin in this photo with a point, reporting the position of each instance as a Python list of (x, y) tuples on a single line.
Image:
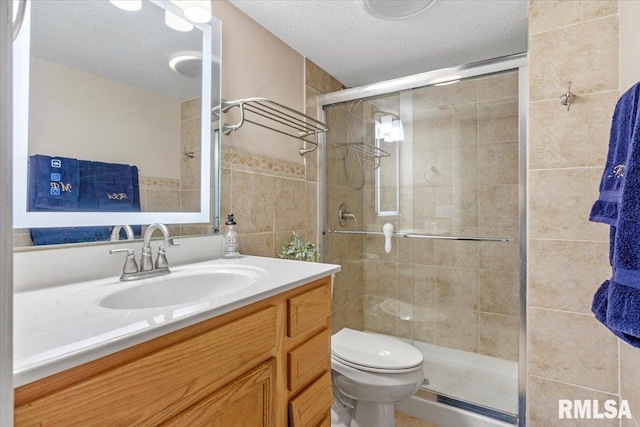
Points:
[(184, 286)]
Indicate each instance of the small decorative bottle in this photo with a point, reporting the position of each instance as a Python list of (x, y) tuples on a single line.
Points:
[(231, 249)]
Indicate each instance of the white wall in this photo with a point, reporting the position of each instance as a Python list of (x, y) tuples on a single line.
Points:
[(629, 27), (79, 115), (255, 63)]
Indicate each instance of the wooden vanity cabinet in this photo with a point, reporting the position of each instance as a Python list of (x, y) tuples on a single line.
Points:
[(266, 364)]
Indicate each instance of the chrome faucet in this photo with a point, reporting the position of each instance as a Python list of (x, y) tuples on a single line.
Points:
[(345, 215), (131, 270), (115, 233)]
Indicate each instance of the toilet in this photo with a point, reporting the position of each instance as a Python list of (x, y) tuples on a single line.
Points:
[(369, 373)]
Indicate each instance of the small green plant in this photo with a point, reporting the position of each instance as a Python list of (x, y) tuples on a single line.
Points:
[(298, 250)]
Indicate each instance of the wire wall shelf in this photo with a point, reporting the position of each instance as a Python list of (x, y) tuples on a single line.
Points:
[(274, 116)]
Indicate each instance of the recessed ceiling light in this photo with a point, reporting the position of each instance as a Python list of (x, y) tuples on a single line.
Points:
[(187, 63), (392, 10), (128, 5)]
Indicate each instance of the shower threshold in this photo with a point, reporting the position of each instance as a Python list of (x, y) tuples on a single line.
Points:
[(470, 381)]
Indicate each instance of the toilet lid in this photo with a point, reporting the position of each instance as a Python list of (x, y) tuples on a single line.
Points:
[(374, 350)]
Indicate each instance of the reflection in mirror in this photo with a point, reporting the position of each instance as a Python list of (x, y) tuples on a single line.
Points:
[(389, 134), (102, 95)]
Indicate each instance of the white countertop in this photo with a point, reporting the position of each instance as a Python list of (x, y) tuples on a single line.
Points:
[(61, 327)]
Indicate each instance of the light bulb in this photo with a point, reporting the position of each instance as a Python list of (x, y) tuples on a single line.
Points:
[(386, 125), (397, 132), (197, 10), (174, 21), (128, 5)]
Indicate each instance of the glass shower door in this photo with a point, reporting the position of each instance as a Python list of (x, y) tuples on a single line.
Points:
[(438, 163)]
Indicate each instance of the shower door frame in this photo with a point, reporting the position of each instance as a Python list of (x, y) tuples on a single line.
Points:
[(477, 69)]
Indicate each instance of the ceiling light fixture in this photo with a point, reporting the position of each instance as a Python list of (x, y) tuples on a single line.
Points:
[(187, 63), (198, 11), (392, 10), (174, 21), (128, 5)]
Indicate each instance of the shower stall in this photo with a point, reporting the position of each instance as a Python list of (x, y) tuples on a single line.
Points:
[(440, 157)]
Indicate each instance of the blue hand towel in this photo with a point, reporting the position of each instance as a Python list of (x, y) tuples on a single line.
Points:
[(56, 182), (114, 187), (62, 235), (617, 301)]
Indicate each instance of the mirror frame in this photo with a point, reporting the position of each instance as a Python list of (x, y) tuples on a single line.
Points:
[(22, 218)]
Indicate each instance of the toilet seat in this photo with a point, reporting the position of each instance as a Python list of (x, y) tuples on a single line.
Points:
[(374, 352)]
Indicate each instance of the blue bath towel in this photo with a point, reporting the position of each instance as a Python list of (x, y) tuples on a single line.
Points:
[(56, 182), (89, 176), (617, 302), (115, 187)]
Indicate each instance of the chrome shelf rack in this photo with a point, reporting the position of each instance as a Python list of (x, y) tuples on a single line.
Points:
[(274, 116)]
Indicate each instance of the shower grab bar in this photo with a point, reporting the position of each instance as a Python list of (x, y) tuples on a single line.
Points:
[(300, 126), (425, 236)]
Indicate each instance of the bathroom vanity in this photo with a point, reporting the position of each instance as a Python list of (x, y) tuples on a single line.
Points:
[(265, 363)]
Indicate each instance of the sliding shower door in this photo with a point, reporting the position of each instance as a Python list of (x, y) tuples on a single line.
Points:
[(441, 165)]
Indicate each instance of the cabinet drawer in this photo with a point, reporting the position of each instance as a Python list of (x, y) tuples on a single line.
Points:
[(158, 386), (311, 406), (308, 360), (309, 310)]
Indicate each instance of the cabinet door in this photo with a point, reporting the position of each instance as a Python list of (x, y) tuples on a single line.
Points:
[(247, 401)]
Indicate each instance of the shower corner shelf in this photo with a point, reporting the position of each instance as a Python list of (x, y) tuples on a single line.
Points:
[(289, 122)]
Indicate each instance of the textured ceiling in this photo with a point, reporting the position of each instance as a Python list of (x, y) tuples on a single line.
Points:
[(359, 49), (128, 47)]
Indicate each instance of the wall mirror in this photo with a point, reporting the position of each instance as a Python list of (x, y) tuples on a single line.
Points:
[(98, 83)]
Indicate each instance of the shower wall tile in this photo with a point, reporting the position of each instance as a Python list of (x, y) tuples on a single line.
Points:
[(498, 336), (593, 42), (543, 398), (492, 130), (457, 328), (498, 206), (545, 15), (559, 204), (319, 79), (499, 292), (554, 137), (380, 279), (424, 285), (498, 163), (499, 256), (379, 315), (465, 131), (566, 273), (424, 328), (451, 253), (573, 348), (500, 86), (464, 92), (457, 287)]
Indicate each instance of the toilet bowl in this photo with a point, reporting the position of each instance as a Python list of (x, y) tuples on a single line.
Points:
[(370, 372)]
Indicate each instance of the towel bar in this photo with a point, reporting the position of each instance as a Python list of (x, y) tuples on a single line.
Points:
[(424, 236)]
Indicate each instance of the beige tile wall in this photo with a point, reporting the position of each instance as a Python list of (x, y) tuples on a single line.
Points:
[(571, 355), (271, 197)]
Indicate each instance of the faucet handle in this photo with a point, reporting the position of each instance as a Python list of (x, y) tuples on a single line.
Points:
[(130, 264), (161, 259)]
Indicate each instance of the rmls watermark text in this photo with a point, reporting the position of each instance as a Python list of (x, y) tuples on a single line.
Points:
[(593, 409)]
